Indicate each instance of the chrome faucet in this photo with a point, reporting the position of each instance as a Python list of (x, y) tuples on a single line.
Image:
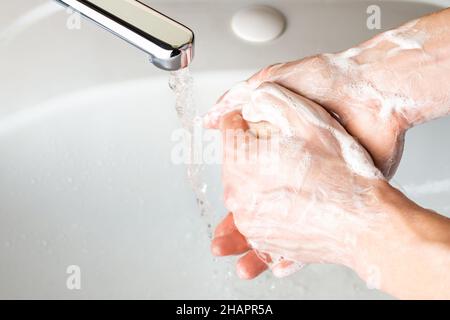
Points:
[(169, 43)]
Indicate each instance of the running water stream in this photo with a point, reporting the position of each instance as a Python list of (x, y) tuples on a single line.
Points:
[(182, 84)]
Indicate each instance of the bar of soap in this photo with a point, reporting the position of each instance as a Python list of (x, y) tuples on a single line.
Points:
[(258, 24)]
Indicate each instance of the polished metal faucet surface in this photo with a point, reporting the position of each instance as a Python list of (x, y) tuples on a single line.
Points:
[(169, 43)]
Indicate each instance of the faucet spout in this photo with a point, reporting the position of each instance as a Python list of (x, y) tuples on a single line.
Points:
[(169, 43)]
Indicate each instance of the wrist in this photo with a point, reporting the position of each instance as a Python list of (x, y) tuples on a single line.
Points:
[(412, 246), (372, 244), (412, 80)]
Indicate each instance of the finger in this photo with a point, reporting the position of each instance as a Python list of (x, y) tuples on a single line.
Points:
[(230, 244), (287, 111), (272, 106), (233, 121), (267, 74), (229, 102), (225, 227), (262, 129), (308, 77), (286, 268), (235, 138), (250, 266)]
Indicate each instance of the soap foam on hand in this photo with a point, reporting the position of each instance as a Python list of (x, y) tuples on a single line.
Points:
[(348, 63), (400, 64), (319, 194), (229, 102), (392, 82)]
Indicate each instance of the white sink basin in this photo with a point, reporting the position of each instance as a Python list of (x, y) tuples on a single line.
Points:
[(86, 176)]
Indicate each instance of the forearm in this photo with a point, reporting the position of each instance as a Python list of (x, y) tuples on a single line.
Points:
[(402, 74), (408, 69), (410, 257)]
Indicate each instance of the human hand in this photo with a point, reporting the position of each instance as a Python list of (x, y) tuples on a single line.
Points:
[(376, 90), (317, 79), (300, 188), (401, 77)]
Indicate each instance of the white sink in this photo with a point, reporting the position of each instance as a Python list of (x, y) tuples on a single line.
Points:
[(86, 176)]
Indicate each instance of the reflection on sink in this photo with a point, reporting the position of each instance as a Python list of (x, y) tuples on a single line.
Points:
[(28, 20)]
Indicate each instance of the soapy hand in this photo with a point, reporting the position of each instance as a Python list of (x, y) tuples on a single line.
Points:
[(340, 93), (300, 188), (376, 90)]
